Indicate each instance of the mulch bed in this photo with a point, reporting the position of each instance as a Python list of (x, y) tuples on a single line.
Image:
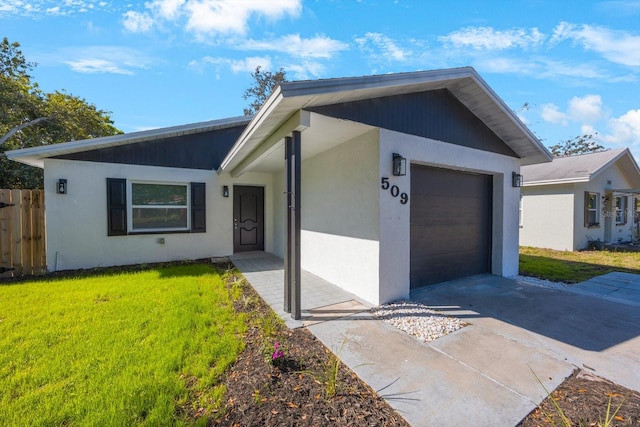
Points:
[(293, 391), (583, 398)]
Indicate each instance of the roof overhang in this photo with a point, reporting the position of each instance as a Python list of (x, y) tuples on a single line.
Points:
[(624, 160), (35, 156), (277, 115)]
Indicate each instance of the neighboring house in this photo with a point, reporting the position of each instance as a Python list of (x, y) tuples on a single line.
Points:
[(334, 206), (578, 199)]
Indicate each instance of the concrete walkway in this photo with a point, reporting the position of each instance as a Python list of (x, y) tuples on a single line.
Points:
[(483, 373)]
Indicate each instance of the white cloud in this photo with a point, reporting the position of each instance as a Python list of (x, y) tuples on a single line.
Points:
[(539, 67), (294, 45), (232, 16), (136, 22), (248, 64), (302, 70), (488, 38), (624, 130), (586, 109), (209, 17), (619, 47), (550, 113), (94, 65), (381, 47), (166, 9), (102, 59), (35, 8)]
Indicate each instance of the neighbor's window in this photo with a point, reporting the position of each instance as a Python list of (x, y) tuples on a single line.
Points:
[(636, 211), (591, 209), (621, 210), (520, 217), (159, 207)]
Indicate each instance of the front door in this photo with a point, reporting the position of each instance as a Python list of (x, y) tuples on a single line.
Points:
[(248, 218)]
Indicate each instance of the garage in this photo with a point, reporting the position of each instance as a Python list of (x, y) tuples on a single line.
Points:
[(451, 215)]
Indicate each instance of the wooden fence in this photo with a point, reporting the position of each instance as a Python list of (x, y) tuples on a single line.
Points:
[(22, 233)]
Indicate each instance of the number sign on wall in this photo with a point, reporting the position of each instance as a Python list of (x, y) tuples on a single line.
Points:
[(394, 190)]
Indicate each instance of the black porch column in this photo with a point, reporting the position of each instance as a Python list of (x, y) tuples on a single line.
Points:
[(296, 160), (288, 200)]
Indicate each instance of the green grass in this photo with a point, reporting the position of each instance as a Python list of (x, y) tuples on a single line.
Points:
[(118, 349), (575, 267)]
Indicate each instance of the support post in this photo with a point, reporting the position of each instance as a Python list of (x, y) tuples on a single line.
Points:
[(288, 142), (296, 155)]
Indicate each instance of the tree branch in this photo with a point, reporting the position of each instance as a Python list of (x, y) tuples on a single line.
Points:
[(20, 127)]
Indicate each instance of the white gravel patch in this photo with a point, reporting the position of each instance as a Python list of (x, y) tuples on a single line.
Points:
[(417, 320), (540, 282)]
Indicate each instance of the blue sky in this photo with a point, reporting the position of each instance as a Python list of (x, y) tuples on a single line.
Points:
[(160, 63)]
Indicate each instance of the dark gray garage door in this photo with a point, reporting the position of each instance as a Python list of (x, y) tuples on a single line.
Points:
[(450, 225)]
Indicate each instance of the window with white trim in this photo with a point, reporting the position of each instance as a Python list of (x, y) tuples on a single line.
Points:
[(621, 210), (520, 217), (135, 207), (591, 209), (158, 206)]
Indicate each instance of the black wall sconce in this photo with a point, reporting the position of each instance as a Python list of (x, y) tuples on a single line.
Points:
[(62, 186), (399, 165), (516, 179), (225, 191)]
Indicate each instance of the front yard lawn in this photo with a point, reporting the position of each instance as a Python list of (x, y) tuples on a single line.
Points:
[(127, 348), (575, 267)]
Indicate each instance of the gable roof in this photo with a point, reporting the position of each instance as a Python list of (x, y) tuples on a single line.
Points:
[(35, 156), (464, 83), (284, 111), (581, 168)]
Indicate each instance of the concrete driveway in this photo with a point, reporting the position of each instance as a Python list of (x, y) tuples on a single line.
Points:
[(482, 374)]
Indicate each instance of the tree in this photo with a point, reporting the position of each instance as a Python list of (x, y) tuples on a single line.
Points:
[(29, 117), (265, 83), (580, 144)]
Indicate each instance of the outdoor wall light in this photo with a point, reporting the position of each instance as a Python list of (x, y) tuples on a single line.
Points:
[(399, 165), (516, 179), (62, 186), (225, 191)]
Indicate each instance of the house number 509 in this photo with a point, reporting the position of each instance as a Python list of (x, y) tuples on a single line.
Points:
[(394, 190)]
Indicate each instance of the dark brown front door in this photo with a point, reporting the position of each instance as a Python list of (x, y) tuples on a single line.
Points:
[(248, 218), (451, 215)]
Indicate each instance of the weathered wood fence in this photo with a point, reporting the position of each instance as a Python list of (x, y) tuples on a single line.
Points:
[(22, 233)]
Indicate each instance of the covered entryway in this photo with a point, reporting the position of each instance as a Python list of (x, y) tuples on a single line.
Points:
[(451, 215), (248, 218)]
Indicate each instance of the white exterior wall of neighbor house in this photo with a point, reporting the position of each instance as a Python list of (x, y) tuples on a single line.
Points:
[(77, 221), (548, 216), (608, 231), (395, 217), (339, 240)]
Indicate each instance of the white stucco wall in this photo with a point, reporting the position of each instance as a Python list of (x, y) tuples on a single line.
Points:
[(339, 240), (548, 216), (395, 217), (609, 231), (77, 221), (553, 215)]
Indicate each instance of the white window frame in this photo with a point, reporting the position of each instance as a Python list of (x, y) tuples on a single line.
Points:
[(521, 212), (130, 207), (596, 209), (620, 210)]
